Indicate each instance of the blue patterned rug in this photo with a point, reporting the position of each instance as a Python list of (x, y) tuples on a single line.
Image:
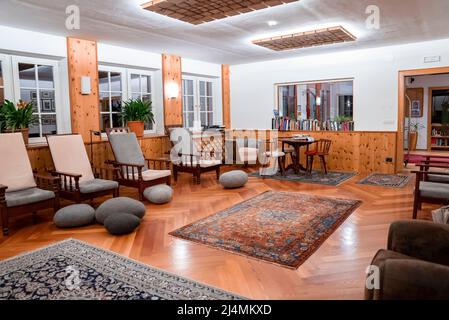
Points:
[(386, 180), (317, 177), (74, 270)]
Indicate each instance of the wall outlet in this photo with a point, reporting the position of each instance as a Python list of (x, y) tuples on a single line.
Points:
[(389, 160)]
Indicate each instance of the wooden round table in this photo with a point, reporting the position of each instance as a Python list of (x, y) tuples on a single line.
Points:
[(296, 144)]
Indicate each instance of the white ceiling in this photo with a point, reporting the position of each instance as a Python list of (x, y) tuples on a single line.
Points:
[(123, 22)]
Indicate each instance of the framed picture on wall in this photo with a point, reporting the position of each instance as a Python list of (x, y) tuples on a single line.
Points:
[(414, 102), (416, 110)]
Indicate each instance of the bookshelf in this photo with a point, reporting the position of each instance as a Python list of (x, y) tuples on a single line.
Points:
[(439, 136), (289, 124)]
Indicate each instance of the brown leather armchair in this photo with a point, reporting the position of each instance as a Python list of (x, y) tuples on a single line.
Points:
[(416, 264)]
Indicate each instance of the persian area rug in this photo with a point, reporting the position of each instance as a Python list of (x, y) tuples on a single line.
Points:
[(284, 228), (74, 270), (386, 180), (317, 177)]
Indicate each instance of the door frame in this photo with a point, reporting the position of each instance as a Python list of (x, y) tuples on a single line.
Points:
[(401, 107)]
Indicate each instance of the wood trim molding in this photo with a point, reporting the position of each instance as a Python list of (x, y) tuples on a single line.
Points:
[(401, 106), (82, 60), (172, 77), (226, 95)]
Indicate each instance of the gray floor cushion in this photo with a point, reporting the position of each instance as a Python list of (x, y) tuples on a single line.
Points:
[(27, 196), (234, 179), (159, 194), (123, 223), (97, 185), (73, 216), (119, 206)]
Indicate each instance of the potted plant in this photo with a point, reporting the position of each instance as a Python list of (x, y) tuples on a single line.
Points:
[(413, 134), (17, 118), (135, 113)]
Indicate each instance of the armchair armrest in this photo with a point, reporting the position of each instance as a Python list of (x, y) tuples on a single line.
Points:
[(2, 195), (163, 164), (46, 182), (420, 239), (102, 172), (414, 280), (128, 171), (69, 181)]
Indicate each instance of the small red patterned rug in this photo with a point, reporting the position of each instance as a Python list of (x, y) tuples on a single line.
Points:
[(284, 228)]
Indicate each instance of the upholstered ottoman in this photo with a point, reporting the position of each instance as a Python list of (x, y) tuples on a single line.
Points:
[(233, 179), (123, 223), (117, 206), (73, 216), (159, 194)]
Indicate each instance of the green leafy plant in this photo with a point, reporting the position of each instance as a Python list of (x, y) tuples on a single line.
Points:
[(342, 119), (415, 127), (137, 110), (16, 118)]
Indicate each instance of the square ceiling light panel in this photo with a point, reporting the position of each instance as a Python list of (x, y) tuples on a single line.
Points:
[(202, 11)]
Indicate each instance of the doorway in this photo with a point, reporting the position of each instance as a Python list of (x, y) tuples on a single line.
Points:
[(409, 108)]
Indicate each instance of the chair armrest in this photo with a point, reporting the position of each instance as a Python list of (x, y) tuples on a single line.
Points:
[(128, 171), (69, 181), (420, 239), (418, 173), (46, 182), (163, 163), (101, 172), (414, 280), (2, 195)]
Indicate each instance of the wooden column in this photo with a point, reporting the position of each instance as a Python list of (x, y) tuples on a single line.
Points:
[(172, 77), (83, 61), (226, 94)]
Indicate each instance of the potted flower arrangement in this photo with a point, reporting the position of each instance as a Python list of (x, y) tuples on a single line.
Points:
[(413, 134), (135, 113), (17, 118)]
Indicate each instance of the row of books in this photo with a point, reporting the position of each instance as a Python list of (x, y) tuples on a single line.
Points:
[(438, 142), (288, 124)]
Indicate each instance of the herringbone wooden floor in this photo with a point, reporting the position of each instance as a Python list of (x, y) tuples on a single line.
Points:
[(335, 271)]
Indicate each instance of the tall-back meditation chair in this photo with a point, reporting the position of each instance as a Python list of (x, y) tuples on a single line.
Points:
[(20, 190), (72, 166), (134, 170), (197, 153)]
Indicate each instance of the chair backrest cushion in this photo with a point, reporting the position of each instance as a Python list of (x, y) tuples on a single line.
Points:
[(15, 167), (127, 149), (70, 156)]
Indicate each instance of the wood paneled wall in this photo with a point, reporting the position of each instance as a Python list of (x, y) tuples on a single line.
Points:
[(82, 61), (152, 147), (172, 74), (362, 152), (226, 94)]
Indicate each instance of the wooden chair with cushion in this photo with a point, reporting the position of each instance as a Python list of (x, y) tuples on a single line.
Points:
[(78, 180), (431, 185), (197, 154), (319, 149), (20, 190), (134, 170), (273, 157)]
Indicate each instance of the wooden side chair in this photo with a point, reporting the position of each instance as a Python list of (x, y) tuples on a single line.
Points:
[(197, 155), (432, 184), (79, 180), (319, 149), (21, 191), (133, 169)]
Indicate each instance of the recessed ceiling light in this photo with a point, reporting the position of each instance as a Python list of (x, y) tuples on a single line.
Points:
[(272, 23)]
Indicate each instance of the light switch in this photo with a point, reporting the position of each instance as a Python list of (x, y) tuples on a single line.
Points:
[(85, 86)]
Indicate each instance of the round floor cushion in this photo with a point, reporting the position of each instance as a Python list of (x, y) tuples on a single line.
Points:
[(234, 179), (119, 206), (159, 194), (73, 216), (122, 223)]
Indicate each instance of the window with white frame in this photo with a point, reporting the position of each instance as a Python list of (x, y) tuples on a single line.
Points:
[(198, 102), (117, 85), (35, 82), (140, 88)]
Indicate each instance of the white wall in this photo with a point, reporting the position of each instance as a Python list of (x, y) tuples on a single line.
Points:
[(426, 82), (375, 73)]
